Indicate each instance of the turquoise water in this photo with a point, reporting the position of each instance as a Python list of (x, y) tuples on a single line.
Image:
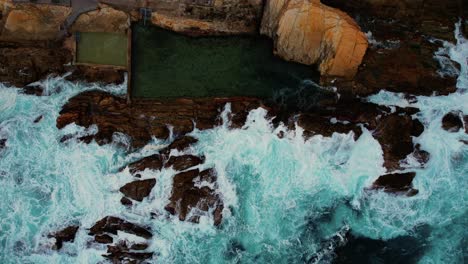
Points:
[(286, 200)]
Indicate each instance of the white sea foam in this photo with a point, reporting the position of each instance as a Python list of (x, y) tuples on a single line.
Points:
[(282, 196)]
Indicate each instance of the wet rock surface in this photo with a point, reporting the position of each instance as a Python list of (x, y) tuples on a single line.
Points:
[(65, 235), (396, 183), (187, 196), (21, 65), (452, 122), (394, 133), (2, 143), (183, 162), (121, 253), (153, 162), (180, 144), (146, 118), (138, 190), (111, 225), (403, 43)]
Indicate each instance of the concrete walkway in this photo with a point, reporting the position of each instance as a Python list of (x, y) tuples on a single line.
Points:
[(78, 7)]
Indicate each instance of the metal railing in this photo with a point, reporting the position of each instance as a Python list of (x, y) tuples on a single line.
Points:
[(49, 2)]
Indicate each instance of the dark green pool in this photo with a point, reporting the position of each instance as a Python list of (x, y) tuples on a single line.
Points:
[(167, 64)]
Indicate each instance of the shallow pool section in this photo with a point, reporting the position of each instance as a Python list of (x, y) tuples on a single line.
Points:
[(101, 48), (167, 64)]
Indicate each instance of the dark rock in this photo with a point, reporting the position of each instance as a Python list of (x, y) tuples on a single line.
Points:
[(186, 196), (394, 133), (183, 162), (111, 224), (65, 235), (38, 119), (36, 90), (138, 190), (452, 122), (408, 64), (65, 138), (103, 239), (314, 124), (3, 143), (465, 119), (28, 63), (153, 162), (125, 201), (421, 156), (120, 253), (180, 144), (97, 74), (144, 118), (139, 246), (396, 183)]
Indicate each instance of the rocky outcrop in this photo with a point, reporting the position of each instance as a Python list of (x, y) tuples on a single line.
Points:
[(395, 134), (218, 17), (144, 119), (452, 122), (65, 235), (433, 17), (396, 183), (309, 32), (21, 65), (111, 225), (183, 162), (401, 57), (138, 190), (32, 22), (187, 196), (104, 19), (122, 253), (153, 162)]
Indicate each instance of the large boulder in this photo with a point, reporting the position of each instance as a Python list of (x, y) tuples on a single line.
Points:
[(183, 162), (138, 190), (34, 22), (452, 122), (186, 195), (309, 32), (65, 235), (396, 183), (104, 19)]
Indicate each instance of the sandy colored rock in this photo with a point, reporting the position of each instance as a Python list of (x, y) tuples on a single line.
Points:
[(198, 18), (33, 22), (104, 19), (309, 32)]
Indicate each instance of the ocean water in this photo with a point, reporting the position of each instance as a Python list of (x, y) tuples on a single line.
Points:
[(286, 200)]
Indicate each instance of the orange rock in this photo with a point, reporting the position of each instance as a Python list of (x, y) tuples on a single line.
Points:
[(105, 19), (309, 32), (33, 22)]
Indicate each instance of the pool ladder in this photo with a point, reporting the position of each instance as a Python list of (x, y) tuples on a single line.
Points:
[(145, 14)]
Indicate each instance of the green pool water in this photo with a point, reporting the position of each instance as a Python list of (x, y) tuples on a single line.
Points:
[(167, 64), (102, 48)]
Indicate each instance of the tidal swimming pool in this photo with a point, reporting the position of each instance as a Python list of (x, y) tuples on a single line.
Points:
[(166, 64), (102, 48)]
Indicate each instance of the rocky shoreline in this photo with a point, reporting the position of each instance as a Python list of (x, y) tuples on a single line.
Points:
[(400, 60)]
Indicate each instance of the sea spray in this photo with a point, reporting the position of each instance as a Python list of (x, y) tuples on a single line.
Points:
[(287, 200)]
